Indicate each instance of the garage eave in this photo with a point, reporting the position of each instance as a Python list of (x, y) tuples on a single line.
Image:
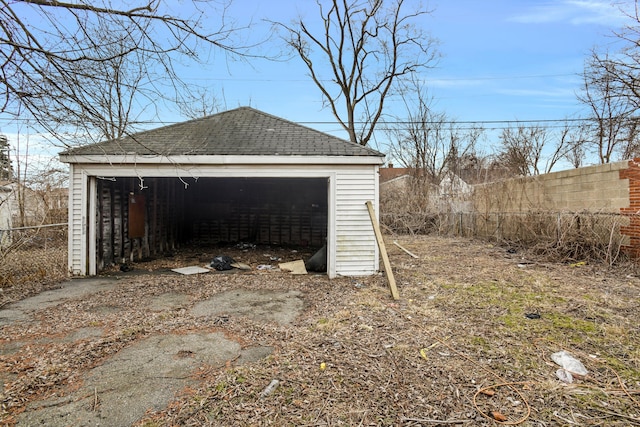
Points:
[(136, 159)]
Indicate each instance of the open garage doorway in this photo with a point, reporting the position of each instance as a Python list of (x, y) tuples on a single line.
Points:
[(147, 218)]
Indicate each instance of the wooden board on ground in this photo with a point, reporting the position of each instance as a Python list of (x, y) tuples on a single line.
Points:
[(240, 266), (407, 251)]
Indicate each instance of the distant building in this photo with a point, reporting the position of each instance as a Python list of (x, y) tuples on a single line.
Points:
[(5, 216), (28, 207)]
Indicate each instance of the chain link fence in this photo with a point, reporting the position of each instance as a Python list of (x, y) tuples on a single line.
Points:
[(413, 206), (32, 259), (571, 236), (560, 236)]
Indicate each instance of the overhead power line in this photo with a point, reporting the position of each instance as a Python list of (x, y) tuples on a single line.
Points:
[(380, 123), (429, 78), (447, 122)]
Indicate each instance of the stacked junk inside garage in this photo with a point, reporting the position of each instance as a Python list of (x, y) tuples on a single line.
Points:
[(148, 218)]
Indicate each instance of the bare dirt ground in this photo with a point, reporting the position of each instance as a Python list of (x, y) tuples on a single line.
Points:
[(469, 343)]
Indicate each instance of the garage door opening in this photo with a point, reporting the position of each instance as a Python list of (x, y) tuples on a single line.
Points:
[(137, 219)]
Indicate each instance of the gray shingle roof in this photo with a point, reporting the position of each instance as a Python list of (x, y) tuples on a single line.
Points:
[(243, 131)]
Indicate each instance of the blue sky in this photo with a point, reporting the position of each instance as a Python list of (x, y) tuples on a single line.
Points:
[(501, 60), (517, 59)]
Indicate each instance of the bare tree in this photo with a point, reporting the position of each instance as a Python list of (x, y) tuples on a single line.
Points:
[(613, 127), (198, 103), (630, 147), (622, 69), (105, 108), (53, 56), (530, 150), (429, 142), (574, 139), (359, 54)]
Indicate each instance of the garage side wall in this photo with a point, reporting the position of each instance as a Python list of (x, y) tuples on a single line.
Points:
[(77, 221), (356, 251)]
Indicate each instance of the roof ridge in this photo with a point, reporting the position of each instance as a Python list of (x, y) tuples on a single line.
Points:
[(247, 130)]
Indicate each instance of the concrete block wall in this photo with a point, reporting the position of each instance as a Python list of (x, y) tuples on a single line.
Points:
[(612, 188), (599, 188)]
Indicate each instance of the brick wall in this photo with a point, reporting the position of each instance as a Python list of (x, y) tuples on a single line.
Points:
[(632, 175)]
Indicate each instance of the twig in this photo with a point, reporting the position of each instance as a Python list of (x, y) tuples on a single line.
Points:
[(511, 386), (555, 414), (615, 414), (406, 250), (431, 421)]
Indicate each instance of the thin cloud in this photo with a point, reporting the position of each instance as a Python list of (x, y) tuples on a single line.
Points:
[(538, 93), (576, 12), (456, 83)]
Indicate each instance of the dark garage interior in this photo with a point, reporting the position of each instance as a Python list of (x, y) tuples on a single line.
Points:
[(141, 218)]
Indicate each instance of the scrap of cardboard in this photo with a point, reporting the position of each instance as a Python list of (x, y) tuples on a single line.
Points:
[(241, 266), (194, 269), (295, 267)]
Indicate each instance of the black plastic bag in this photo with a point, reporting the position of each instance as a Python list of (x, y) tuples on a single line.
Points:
[(222, 262)]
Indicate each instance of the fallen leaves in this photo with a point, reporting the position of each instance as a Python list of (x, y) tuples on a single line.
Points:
[(353, 357), (498, 416)]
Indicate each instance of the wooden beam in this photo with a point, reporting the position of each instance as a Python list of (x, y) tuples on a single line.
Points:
[(407, 251), (383, 252)]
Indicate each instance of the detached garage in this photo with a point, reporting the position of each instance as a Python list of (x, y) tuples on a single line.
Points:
[(238, 176)]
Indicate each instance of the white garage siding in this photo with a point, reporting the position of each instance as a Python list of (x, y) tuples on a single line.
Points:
[(352, 246), (77, 221), (356, 251), (239, 143)]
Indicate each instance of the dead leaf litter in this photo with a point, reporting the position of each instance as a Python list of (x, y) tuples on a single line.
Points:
[(457, 349)]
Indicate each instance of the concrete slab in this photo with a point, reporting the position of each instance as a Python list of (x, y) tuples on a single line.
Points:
[(149, 373), (277, 306), (145, 376), (21, 311)]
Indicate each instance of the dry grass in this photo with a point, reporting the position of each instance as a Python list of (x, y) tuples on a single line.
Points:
[(458, 329), (413, 207)]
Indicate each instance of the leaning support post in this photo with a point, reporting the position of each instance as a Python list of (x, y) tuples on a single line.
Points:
[(383, 252)]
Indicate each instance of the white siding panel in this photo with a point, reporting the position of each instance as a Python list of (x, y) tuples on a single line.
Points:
[(76, 226), (356, 248)]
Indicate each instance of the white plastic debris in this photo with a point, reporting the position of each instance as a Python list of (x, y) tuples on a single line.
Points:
[(569, 363), (564, 376), (273, 385)]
